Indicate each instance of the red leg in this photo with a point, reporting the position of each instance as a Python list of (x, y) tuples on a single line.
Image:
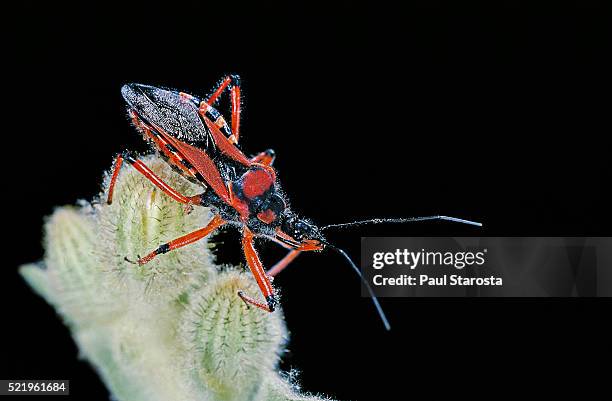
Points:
[(233, 83), (111, 187), (284, 262), (266, 157), (291, 255), (260, 275), (151, 176), (190, 238)]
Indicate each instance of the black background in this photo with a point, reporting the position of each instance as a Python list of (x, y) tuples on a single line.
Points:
[(496, 114)]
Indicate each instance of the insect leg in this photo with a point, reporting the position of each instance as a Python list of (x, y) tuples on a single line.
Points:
[(190, 238), (284, 262), (266, 157), (233, 83), (151, 176), (260, 275)]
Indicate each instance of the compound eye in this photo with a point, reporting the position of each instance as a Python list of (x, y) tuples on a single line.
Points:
[(301, 230), (288, 226)]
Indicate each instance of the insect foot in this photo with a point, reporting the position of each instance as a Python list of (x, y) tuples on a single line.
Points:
[(173, 329)]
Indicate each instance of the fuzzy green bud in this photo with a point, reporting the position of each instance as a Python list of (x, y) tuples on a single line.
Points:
[(76, 279), (230, 342)]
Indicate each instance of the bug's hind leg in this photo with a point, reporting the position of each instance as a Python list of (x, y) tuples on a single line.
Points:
[(231, 83), (190, 238), (151, 176), (260, 276), (266, 157)]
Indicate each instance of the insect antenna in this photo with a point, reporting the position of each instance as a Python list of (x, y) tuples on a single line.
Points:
[(400, 220), (365, 283)]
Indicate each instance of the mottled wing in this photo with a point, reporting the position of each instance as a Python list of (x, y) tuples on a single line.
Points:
[(176, 114)]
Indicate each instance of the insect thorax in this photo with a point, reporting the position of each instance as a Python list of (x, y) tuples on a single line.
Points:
[(256, 196)]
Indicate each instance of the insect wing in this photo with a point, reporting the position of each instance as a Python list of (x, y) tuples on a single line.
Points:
[(176, 114)]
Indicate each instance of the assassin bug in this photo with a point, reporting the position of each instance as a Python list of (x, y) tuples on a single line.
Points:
[(195, 139)]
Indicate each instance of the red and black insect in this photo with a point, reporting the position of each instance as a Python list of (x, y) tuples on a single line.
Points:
[(195, 139)]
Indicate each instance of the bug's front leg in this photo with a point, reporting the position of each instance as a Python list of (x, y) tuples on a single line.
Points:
[(149, 175), (260, 275), (284, 262), (190, 238), (293, 253)]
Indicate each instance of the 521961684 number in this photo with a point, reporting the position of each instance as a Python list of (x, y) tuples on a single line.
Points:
[(34, 386)]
